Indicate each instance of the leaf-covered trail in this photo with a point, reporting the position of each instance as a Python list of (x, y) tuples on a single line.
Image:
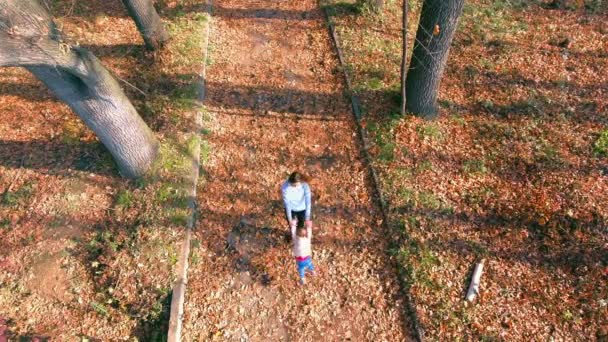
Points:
[(275, 96)]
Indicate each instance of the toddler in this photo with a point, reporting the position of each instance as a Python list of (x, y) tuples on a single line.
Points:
[(301, 238)]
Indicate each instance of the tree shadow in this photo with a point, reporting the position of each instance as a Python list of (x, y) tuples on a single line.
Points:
[(53, 156), (264, 13), (247, 243), (119, 51), (262, 100), (238, 13), (342, 8), (265, 100), (537, 250), (252, 238), (156, 328), (541, 98), (590, 7), (35, 92), (218, 10), (87, 9)]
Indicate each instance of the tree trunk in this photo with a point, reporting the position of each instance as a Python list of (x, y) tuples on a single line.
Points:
[(404, 58), (28, 38), (438, 21), (148, 22)]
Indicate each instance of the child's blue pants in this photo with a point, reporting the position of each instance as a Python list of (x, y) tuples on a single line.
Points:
[(304, 265)]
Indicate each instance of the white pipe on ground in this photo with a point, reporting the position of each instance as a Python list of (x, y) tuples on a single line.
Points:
[(474, 286)]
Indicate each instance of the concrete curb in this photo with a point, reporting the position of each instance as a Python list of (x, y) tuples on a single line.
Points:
[(380, 201), (180, 285)]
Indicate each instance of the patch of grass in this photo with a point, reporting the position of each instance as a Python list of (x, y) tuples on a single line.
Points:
[(387, 153), (195, 258), (459, 120), (420, 199), (165, 185), (477, 248), (205, 151), (172, 257), (567, 315), (187, 97), (487, 104), (417, 262), (124, 199), (546, 153), (156, 311), (165, 193), (478, 196), (429, 200), (408, 196), (103, 240), (403, 173), (486, 63), (425, 165), (384, 137), (430, 131), (447, 104), (534, 104), (495, 130), (600, 147), (155, 321), (173, 195), (494, 18), (5, 223), (17, 197), (474, 166), (188, 49), (100, 309), (72, 132), (180, 218), (374, 83), (174, 159)]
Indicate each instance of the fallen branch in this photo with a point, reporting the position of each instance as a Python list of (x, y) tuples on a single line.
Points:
[(474, 287)]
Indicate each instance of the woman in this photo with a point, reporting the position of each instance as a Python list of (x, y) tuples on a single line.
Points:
[(297, 200)]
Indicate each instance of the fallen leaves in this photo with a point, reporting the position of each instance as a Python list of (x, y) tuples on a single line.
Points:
[(256, 274), (512, 177)]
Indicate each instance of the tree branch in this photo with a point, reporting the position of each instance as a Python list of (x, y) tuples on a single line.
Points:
[(26, 52)]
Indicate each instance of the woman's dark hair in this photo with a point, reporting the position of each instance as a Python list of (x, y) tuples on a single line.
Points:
[(296, 177)]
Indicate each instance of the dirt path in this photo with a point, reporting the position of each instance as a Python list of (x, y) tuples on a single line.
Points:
[(276, 97)]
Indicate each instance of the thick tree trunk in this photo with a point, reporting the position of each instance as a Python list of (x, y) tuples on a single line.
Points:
[(28, 39), (106, 110), (404, 58), (438, 21), (148, 22)]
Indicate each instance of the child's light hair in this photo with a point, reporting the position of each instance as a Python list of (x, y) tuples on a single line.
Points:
[(302, 232)]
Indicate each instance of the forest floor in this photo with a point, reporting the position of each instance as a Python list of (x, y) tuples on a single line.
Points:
[(277, 103), (84, 253), (515, 170)]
